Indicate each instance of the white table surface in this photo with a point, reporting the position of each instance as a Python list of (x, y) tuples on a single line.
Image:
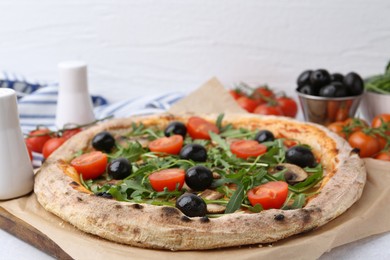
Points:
[(375, 247)]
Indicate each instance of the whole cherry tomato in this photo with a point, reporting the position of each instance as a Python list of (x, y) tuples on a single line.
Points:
[(367, 144), (288, 106), (37, 139), (355, 124), (90, 165), (170, 145), (168, 178), (272, 194), (198, 128), (235, 93), (247, 103), (268, 109), (51, 145), (377, 121), (262, 93), (70, 132), (338, 128)]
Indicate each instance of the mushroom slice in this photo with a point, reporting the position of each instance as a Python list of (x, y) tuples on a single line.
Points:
[(211, 195), (215, 208), (293, 173)]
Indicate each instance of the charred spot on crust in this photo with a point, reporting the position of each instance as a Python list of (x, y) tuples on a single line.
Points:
[(306, 215), (104, 195), (204, 219), (355, 150), (79, 199), (136, 231), (185, 219), (137, 206), (170, 211), (279, 217), (118, 206), (75, 184)]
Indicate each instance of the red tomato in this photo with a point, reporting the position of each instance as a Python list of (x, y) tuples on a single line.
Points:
[(377, 121), (382, 141), (168, 178), (171, 145), (338, 128), (91, 165), (288, 106), (198, 128), (37, 139), (247, 148), (71, 132), (384, 155), (272, 194), (52, 145), (267, 109), (355, 124), (235, 94), (262, 93), (367, 144), (247, 103)]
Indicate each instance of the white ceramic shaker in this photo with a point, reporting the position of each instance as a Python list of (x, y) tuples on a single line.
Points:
[(16, 172), (74, 105)]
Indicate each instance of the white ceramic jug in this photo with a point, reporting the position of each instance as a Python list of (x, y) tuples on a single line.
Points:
[(16, 172)]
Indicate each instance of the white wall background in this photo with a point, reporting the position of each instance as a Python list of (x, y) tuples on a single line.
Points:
[(140, 47)]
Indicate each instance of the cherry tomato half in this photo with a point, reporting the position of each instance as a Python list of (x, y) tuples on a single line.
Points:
[(90, 165), (288, 106), (198, 128), (367, 144), (171, 144), (37, 139), (52, 145), (247, 103), (168, 178), (272, 194), (268, 109), (247, 148)]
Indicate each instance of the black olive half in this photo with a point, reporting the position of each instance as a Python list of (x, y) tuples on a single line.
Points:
[(319, 78), (354, 83), (195, 152), (175, 128), (191, 205), (119, 168), (304, 78), (264, 136), (103, 141), (301, 156), (198, 178)]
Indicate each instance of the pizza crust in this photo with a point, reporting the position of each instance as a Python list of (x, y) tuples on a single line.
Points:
[(163, 227)]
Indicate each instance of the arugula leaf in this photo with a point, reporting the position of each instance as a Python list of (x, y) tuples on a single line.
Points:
[(221, 143), (236, 200)]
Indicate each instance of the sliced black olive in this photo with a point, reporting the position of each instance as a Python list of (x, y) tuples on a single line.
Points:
[(308, 90), (301, 156), (198, 178), (175, 128), (264, 136), (334, 89), (336, 77), (319, 78), (103, 141), (191, 205), (195, 152), (104, 195), (119, 168), (354, 83), (304, 78)]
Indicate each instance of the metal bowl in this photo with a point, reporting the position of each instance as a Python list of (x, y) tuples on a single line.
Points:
[(324, 111)]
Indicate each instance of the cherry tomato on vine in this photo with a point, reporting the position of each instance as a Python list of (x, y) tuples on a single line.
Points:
[(367, 144), (338, 128), (377, 121), (51, 145), (268, 109), (70, 132), (91, 165), (37, 139), (198, 128), (247, 103), (355, 124), (383, 155), (247, 148), (272, 194), (235, 94), (262, 93), (168, 178), (171, 144), (288, 106)]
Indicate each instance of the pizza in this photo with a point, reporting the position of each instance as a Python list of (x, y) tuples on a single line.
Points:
[(194, 182)]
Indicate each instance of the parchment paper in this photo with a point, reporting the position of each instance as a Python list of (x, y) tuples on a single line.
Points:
[(369, 216)]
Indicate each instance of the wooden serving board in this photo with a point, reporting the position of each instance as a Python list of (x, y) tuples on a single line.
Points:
[(30, 235)]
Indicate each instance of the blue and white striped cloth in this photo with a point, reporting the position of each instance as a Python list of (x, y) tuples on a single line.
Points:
[(37, 103)]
